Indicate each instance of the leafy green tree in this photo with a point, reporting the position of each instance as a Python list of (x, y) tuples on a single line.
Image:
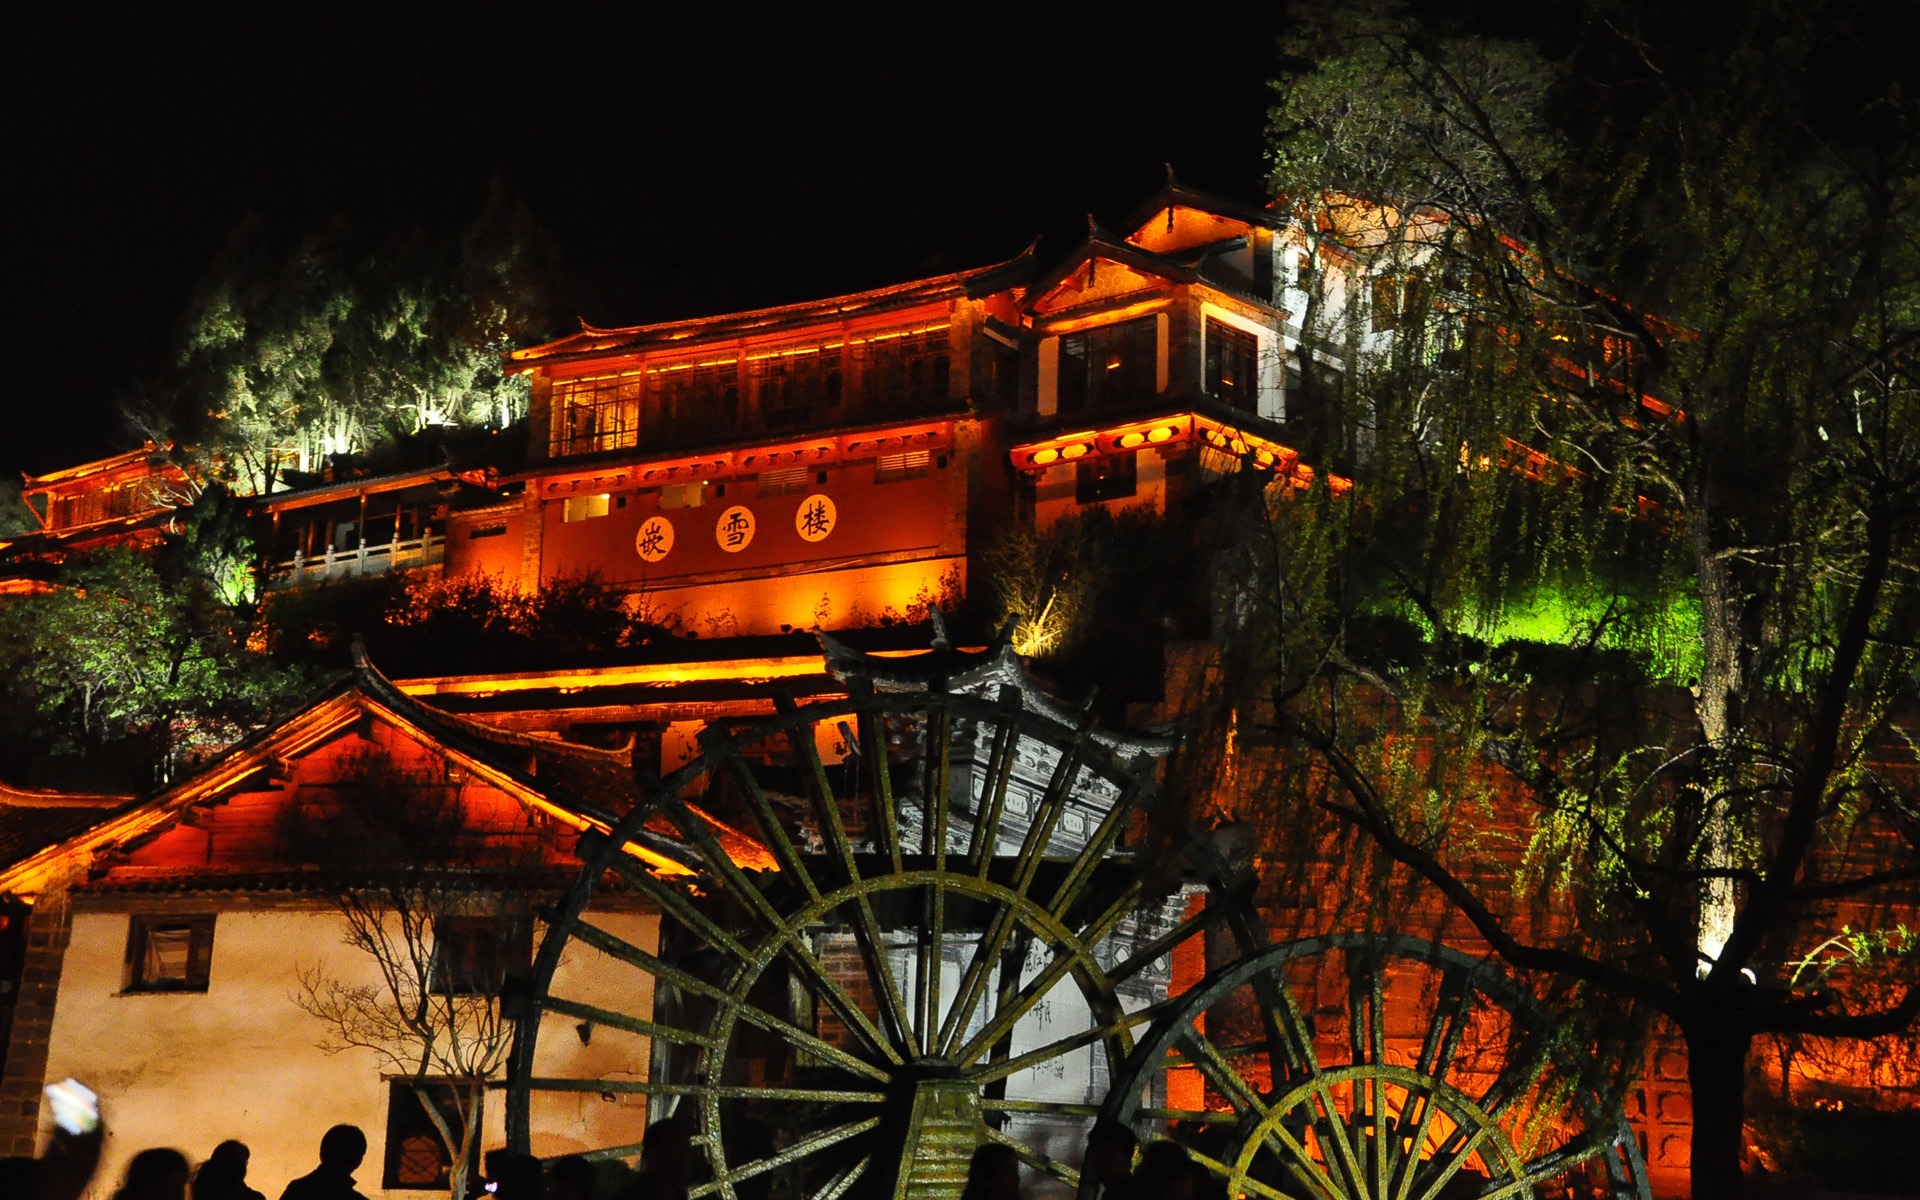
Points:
[(341, 347), (15, 516), (119, 660), (1624, 362)]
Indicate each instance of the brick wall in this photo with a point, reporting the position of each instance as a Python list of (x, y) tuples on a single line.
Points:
[(26, 1052)]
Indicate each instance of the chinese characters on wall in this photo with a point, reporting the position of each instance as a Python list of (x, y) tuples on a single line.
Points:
[(814, 520)]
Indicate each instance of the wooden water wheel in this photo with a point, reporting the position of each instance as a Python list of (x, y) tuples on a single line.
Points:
[(948, 936), (1373, 1067)]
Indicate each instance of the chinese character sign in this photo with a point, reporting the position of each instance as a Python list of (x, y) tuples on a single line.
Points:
[(734, 529), (655, 539), (814, 519)]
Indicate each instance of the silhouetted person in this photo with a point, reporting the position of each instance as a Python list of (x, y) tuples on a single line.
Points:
[(341, 1150), (224, 1175), (993, 1173), (62, 1173), (1165, 1173), (1109, 1157), (572, 1178), (516, 1176), (666, 1161), (155, 1175)]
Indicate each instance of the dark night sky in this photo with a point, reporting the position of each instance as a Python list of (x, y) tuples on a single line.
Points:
[(717, 162)]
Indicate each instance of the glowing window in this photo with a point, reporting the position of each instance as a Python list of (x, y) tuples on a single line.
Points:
[(596, 413), (783, 482), (683, 495), (585, 508), (910, 465)]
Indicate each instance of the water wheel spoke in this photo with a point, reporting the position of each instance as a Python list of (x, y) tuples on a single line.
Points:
[(993, 787), (1105, 834), (1205, 1056), (649, 1087), (866, 929), (1197, 1116), (1164, 944), (1366, 1033), (796, 952), (873, 750), (1443, 1169), (1038, 1161), (1075, 1041), (1332, 1128), (1449, 1024), (1290, 1040), (1298, 1161), (1069, 955), (804, 1148), (1252, 1186), (1050, 1107), (974, 983), (1046, 813), (1402, 1181), (1517, 1076), (844, 1179), (773, 832), (620, 1020), (663, 972), (939, 802), (674, 903)]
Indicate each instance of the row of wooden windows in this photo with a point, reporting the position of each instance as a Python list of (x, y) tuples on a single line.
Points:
[(891, 373)]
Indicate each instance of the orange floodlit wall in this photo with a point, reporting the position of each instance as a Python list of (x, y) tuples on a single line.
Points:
[(1180, 227), (246, 830), (797, 546)]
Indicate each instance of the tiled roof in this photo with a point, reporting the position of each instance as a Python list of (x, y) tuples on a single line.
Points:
[(32, 820), (592, 340)]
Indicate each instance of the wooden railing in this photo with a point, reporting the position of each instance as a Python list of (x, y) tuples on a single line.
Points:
[(405, 555)]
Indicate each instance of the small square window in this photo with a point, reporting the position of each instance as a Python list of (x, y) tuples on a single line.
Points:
[(585, 508), (169, 954), (683, 495), (889, 468)]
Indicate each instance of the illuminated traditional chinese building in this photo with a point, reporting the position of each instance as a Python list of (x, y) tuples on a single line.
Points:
[(840, 464)]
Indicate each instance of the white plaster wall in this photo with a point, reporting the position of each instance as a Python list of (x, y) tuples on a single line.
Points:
[(568, 1123), (241, 1060)]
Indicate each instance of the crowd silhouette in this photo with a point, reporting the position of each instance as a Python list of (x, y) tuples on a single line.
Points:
[(1163, 1169)]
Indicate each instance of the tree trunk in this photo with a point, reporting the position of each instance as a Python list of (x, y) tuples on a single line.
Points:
[(1717, 1048)]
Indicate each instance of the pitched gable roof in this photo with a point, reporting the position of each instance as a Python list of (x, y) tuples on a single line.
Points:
[(1104, 267), (573, 786)]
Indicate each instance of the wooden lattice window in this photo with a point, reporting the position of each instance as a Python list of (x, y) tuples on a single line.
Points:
[(1233, 357), (417, 1158), (904, 372), (1108, 365), (596, 413)]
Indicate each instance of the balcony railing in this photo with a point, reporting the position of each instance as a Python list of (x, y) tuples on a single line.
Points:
[(408, 554)]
